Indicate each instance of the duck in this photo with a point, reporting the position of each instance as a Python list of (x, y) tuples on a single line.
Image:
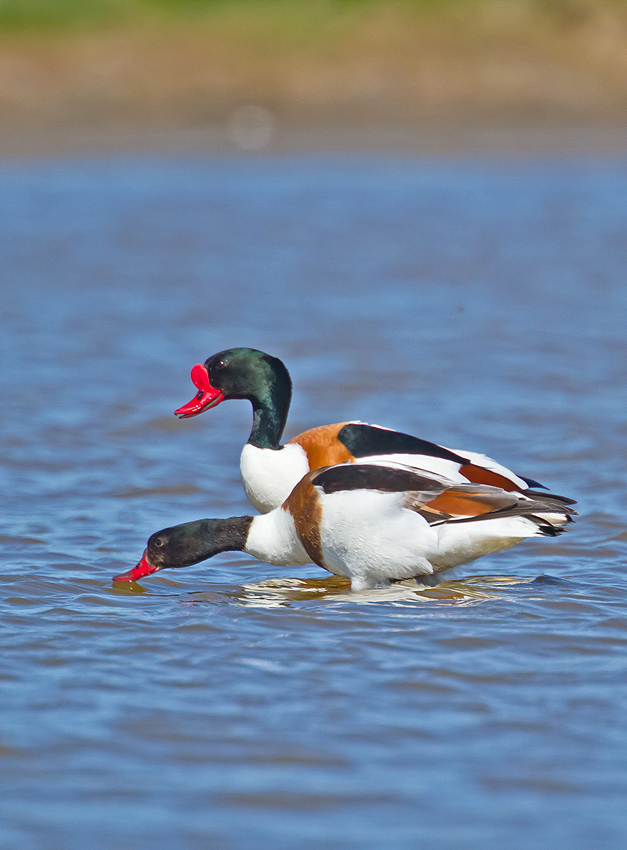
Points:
[(270, 470), (371, 522)]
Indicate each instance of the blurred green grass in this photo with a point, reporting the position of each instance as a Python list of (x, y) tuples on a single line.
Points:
[(20, 15), (193, 61), (275, 15), (285, 23), (45, 14)]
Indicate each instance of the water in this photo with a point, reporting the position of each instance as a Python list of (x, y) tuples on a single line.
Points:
[(478, 303)]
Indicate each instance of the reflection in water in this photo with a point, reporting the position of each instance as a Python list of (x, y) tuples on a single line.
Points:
[(275, 592)]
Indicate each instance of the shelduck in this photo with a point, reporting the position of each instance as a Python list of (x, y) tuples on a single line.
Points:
[(370, 522), (270, 470)]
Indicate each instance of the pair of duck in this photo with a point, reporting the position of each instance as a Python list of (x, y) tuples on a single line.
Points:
[(364, 502)]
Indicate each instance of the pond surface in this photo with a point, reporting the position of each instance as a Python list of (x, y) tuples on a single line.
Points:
[(235, 705)]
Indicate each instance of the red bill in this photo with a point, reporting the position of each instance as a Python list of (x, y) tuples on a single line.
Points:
[(143, 568), (206, 397)]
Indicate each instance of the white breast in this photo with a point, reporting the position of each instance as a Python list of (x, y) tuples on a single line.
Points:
[(270, 475), (272, 538)]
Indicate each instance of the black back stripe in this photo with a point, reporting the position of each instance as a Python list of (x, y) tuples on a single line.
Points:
[(386, 479), (365, 440)]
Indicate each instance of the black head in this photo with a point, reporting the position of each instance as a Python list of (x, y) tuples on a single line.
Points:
[(189, 543)]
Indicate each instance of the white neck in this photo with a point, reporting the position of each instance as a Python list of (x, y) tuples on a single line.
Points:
[(270, 475)]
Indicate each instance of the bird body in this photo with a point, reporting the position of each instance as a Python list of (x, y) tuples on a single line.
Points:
[(270, 470), (362, 501), (371, 522)]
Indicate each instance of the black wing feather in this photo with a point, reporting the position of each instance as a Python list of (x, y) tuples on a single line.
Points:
[(365, 440), (385, 479)]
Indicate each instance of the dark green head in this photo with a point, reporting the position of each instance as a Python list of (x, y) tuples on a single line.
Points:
[(245, 373), (248, 373)]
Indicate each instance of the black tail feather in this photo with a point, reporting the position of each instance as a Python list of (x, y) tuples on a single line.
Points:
[(544, 496)]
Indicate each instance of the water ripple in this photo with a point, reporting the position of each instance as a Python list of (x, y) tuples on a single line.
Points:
[(233, 705)]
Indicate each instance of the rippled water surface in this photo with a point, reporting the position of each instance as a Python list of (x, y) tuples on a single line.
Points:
[(235, 705)]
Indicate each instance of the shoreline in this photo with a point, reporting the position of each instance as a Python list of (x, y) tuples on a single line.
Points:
[(433, 139), (450, 77)]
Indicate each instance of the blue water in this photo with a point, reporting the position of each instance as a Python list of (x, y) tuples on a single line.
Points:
[(478, 303)]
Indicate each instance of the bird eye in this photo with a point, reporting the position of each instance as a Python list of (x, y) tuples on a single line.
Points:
[(159, 542)]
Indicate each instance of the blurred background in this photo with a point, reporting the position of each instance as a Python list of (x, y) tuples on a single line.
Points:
[(256, 73)]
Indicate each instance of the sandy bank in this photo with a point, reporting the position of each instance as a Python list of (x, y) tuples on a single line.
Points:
[(494, 76)]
